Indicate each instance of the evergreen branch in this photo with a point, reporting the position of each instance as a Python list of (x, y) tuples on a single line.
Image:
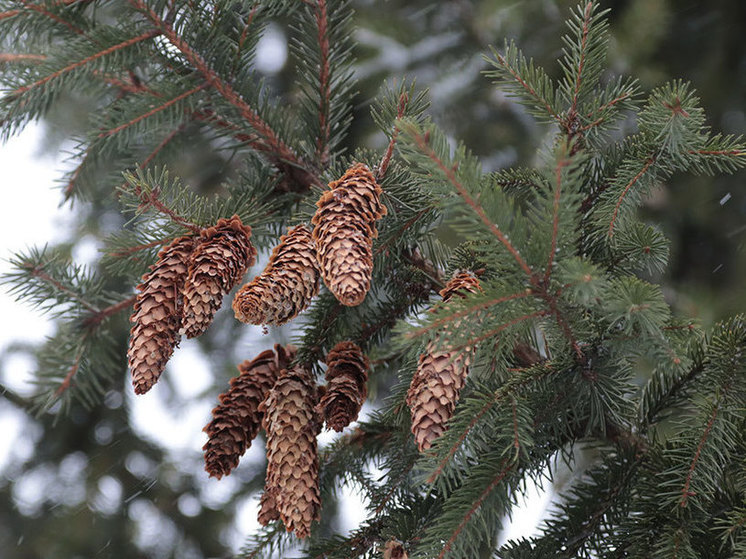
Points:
[(54, 17), (322, 141), (138, 248), (9, 14), (511, 387), (516, 67), (38, 271), (171, 135), (648, 162), (493, 484), (727, 152), (435, 325), (150, 197), (588, 12), (13, 57), (245, 34), (685, 493), (609, 104), (70, 188), (72, 371), (423, 144), (494, 331), (386, 159), (88, 59), (152, 111), (278, 151), (561, 163), (96, 318)]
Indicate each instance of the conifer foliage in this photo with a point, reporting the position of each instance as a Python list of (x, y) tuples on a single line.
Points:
[(551, 338)]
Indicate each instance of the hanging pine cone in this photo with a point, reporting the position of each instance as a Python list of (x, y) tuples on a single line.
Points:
[(292, 463), (440, 376), (235, 422), (394, 550), (345, 228), (156, 315), (218, 263), (287, 284), (346, 388)]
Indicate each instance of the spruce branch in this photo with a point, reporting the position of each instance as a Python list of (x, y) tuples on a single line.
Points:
[(105, 52), (301, 175), (322, 141), (422, 142)]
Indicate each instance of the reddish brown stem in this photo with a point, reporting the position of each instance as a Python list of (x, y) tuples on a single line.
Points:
[(460, 314), (86, 60), (508, 465), (41, 274), (322, 142), (386, 160), (555, 222), (152, 111), (527, 87), (422, 143), (280, 153), (631, 183), (11, 57), (581, 63), (685, 492), (96, 318), (67, 381)]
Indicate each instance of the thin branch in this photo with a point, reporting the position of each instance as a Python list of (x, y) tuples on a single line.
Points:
[(15, 398), (645, 167), (86, 60), (493, 332), (96, 318), (555, 222), (465, 312), (531, 91), (42, 10), (422, 143), (322, 142), (151, 199), (581, 63), (42, 275), (138, 248), (386, 160), (734, 152), (11, 57), (685, 492), (278, 151), (67, 381), (478, 503), (152, 111)]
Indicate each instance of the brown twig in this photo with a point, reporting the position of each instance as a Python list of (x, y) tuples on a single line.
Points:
[(300, 175), (322, 142), (87, 59), (384, 165)]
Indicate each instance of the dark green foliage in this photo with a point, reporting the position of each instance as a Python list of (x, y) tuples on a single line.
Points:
[(578, 361)]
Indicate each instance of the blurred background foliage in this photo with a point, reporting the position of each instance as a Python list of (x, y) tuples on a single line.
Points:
[(92, 484)]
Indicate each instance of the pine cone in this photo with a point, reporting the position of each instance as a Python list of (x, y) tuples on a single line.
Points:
[(440, 376), (287, 284), (235, 422), (394, 550), (156, 315), (345, 228), (292, 463), (218, 264), (346, 389), (461, 282)]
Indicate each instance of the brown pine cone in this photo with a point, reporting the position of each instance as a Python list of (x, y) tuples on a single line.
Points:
[(346, 388), (440, 376), (345, 228), (156, 315), (287, 284), (292, 463), (461, 283), (218, 263), (236, 421), (394, 550)]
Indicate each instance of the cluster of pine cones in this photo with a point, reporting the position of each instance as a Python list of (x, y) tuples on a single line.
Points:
[(185, 288)]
